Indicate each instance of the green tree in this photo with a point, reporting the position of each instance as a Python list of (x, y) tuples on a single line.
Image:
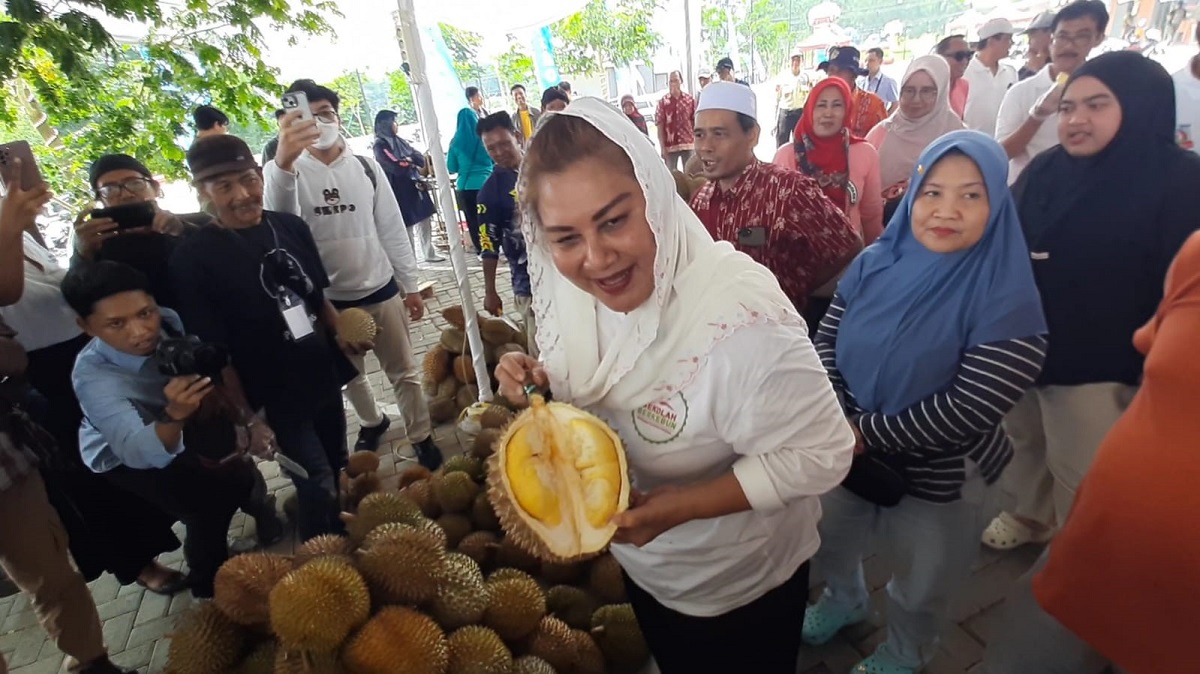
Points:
[(356, 113), (400, 97), (604, 34), (516, 65), (88, 94), (766, 35), (714, 32), (464, 50)]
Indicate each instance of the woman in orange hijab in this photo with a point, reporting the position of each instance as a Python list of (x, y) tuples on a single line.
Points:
[(845, 166), (1123, 574)]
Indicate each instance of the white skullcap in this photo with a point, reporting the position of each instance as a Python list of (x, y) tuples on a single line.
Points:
[(733, 96)]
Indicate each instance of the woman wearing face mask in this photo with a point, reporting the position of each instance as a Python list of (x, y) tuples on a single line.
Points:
[(629, 107), (924, 115), (469, 159), (643, 312), (846, 167), (403, 165), (935, 332)]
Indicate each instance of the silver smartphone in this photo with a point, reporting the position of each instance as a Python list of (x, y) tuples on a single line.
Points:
[(297, 100)]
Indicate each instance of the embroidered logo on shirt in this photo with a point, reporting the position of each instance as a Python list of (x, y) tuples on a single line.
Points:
[(333, 198), (661, 422)]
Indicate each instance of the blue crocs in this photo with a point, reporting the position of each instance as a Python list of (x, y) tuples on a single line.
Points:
[(823, 620), (877, 665)]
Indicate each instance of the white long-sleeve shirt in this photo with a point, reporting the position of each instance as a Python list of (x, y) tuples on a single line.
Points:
[(358, 228), (762, 406)]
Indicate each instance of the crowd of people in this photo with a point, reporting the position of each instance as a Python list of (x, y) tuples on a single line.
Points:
[(968, 282)]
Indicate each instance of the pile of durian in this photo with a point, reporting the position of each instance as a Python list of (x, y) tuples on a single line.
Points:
[(449, 380), (424, 582)]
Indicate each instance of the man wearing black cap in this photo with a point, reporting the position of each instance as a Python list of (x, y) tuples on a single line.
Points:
[(867, 109), (254, 282), (119, 180), (725, 71)]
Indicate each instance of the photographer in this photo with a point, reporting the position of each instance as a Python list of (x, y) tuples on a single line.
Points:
[(136, 418)]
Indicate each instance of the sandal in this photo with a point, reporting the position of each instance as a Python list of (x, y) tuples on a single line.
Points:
[(823, 620), (877, 665), (1007, 533), (173, 583)]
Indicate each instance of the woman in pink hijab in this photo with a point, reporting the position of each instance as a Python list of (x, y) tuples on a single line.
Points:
[(923, 116)]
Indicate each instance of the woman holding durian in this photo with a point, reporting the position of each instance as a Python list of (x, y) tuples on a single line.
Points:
[(693, 355)]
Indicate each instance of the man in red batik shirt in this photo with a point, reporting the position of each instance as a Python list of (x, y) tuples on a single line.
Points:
[(674, 117), (780, 218)]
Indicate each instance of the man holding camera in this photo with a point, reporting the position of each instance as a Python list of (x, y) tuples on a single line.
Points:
[(136, 407)]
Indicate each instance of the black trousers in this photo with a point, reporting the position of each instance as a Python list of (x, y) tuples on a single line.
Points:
[(788, 119), (204, 499), (315, 439), (468, 203), (108, 528), (762, 637)]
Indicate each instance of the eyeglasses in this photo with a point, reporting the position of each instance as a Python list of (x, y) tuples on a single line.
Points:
[(960, 56), (327, 116), (134, 186), (1084, 38), (926, 93)]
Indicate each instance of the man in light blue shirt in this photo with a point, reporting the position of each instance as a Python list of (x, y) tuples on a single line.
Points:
[(877, 83), (136, 417)]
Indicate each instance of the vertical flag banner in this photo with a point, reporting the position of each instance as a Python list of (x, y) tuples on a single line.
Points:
[(444, 84), (543, 59)]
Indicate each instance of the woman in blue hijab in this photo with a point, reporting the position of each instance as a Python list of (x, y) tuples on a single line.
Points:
[(469, 159), (935, 332)]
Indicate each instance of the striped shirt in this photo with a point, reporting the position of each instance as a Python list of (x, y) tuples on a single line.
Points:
[(931, 440)]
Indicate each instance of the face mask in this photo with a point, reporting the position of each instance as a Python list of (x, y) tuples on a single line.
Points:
[(329, 135)]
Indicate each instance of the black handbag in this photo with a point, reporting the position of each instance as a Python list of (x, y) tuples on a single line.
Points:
[(872, 478)]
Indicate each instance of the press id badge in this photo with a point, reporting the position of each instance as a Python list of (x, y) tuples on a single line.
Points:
[(295, 315)]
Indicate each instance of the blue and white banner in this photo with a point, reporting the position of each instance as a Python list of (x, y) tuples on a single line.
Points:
[(544, 66), (444, 83)]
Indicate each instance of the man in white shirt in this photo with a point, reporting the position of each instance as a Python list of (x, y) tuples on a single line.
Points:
[(364, 247), (1187, 102), (1027, 124), (877, 83), (988, 78), (790, 95)]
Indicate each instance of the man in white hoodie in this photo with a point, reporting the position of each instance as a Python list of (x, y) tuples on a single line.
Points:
[(361, 237)]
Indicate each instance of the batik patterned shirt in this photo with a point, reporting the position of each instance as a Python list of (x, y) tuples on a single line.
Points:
[(869, 110), (805, 239), (676, 116)]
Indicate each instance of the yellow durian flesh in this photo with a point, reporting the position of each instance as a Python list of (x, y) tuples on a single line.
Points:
[(558, 476)]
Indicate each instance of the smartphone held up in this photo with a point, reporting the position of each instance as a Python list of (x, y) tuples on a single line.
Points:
[(18, 167)]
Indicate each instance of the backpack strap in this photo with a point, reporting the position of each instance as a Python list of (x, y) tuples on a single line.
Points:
[(368, 170)]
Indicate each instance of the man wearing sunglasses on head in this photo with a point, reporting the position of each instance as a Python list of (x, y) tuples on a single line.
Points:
[(254, 282), (958, 54), (121, 180)]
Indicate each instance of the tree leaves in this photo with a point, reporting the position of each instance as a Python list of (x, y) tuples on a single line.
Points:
[(464, 50), (604, 34)]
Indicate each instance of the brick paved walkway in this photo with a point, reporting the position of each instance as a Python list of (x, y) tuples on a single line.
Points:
[(137, 623)]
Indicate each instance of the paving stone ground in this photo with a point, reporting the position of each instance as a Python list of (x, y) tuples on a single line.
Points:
[(137, 624)]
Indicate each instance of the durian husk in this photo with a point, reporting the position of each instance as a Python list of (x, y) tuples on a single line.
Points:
[(464, 370), (589, 659), (496, 417), (478, 650), (296, 662), (617, 633), (531, 664), (419, 492), (448, 387), (515, 607), (355, 489), (456, 526), (465, 463), (512, 555), (315, 607), (376, 509), (361, 463), (503, 349), (205, 642), (413, 474), (454, 340), (261, 659), (436, 365), (606, 581), (454, 492), (552, 642), (480, 546), (568, 573), (580, 534), (483, 516), (398, 640), (496, 331), (484, 443), (244, 582), (404, 566), (356, 325), (442, 410), (467, 395), (455, 317), (463, 597), (325, 545), (572, 605)]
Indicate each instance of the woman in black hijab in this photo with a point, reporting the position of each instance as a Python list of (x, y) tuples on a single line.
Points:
[(1104, 213), (403, 165)]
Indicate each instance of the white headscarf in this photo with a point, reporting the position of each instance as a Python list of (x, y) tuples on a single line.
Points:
[(907, 138), (703, 292)]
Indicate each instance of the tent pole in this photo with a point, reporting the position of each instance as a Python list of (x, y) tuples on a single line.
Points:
[(423, 99)]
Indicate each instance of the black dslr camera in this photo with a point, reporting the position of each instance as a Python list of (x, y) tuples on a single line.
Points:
[(187, 355)]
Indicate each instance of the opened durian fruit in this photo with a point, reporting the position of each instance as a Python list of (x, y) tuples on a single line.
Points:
[(556, 478)]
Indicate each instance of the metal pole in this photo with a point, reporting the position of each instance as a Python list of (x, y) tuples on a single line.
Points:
[(687, 41), (429, 125)]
